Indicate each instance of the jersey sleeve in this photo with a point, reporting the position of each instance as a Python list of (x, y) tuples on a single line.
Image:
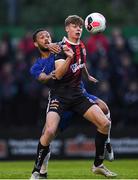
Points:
[(60, 55), (36, 70)]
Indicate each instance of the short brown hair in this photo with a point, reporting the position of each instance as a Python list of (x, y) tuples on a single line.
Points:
[(74, 19)]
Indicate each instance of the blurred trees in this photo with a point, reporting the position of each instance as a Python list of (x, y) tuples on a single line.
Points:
[(53, 12), (3, 15)]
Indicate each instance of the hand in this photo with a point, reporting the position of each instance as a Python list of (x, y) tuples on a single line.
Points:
[(53, 75), (54, 48), (68, 51), (92, 79)]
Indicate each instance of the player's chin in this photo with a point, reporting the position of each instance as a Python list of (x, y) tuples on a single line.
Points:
[(77, 35), (45, 45), (44, 48)]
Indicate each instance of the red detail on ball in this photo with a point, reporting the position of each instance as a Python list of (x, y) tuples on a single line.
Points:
[(95, 24)]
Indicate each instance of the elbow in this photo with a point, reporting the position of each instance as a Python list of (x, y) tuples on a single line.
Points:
[(58, 76), (42, 79)]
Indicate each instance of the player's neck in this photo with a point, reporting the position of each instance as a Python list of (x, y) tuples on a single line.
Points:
[(72, 40), (45, 54)]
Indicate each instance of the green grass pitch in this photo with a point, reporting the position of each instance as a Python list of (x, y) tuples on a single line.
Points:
[(69, 169)]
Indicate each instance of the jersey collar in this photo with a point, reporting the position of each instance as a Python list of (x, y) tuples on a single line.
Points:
[(65, 39)]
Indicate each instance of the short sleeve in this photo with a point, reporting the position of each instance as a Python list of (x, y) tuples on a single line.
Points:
[(60, 55), (36, 70)]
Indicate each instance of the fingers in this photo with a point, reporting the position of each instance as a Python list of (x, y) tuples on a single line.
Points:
[(54, 48), (53, 75), (65, 48), (69, 53), (93, 79)]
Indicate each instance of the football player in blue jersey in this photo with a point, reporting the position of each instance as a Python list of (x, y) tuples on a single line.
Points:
[(44, 67), (44, 70)]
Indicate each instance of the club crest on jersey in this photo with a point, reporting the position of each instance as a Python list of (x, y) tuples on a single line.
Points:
[(74, 67)]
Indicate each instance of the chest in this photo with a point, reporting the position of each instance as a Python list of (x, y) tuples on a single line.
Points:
[(48, 66)]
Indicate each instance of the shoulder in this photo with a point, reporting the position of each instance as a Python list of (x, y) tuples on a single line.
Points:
[(38, 60), (39, 63), (60, 55)]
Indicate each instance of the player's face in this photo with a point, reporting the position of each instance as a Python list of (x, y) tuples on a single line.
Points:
[(74, 32), (42, 39)]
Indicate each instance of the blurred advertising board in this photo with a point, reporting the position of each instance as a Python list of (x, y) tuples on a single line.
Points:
[(79, 146)]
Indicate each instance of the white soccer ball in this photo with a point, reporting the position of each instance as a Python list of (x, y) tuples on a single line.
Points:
[(95, 22)]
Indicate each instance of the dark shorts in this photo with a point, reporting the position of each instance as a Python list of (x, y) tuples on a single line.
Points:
[(73, 101)]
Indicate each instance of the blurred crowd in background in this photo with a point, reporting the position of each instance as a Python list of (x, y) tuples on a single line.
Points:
[(110, 59)]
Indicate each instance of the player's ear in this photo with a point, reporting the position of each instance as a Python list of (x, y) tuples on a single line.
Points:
[(35, 44), (67, 29)]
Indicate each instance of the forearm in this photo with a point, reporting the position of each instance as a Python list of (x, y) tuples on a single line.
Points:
[(85, 71), (44, 78), (62, 69)]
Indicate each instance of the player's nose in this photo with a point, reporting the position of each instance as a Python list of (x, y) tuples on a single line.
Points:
[(47, 40), (79, 28)]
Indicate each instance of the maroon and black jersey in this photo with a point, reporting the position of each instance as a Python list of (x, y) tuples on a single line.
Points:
[(67, 93), (72, 78)]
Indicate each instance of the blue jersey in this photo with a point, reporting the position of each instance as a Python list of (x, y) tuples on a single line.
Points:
[(46, 65)]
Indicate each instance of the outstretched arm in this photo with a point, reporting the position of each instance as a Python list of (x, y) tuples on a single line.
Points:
[(62, 65), (44, 78), (53, 48), (39, 72), (89, 77)]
